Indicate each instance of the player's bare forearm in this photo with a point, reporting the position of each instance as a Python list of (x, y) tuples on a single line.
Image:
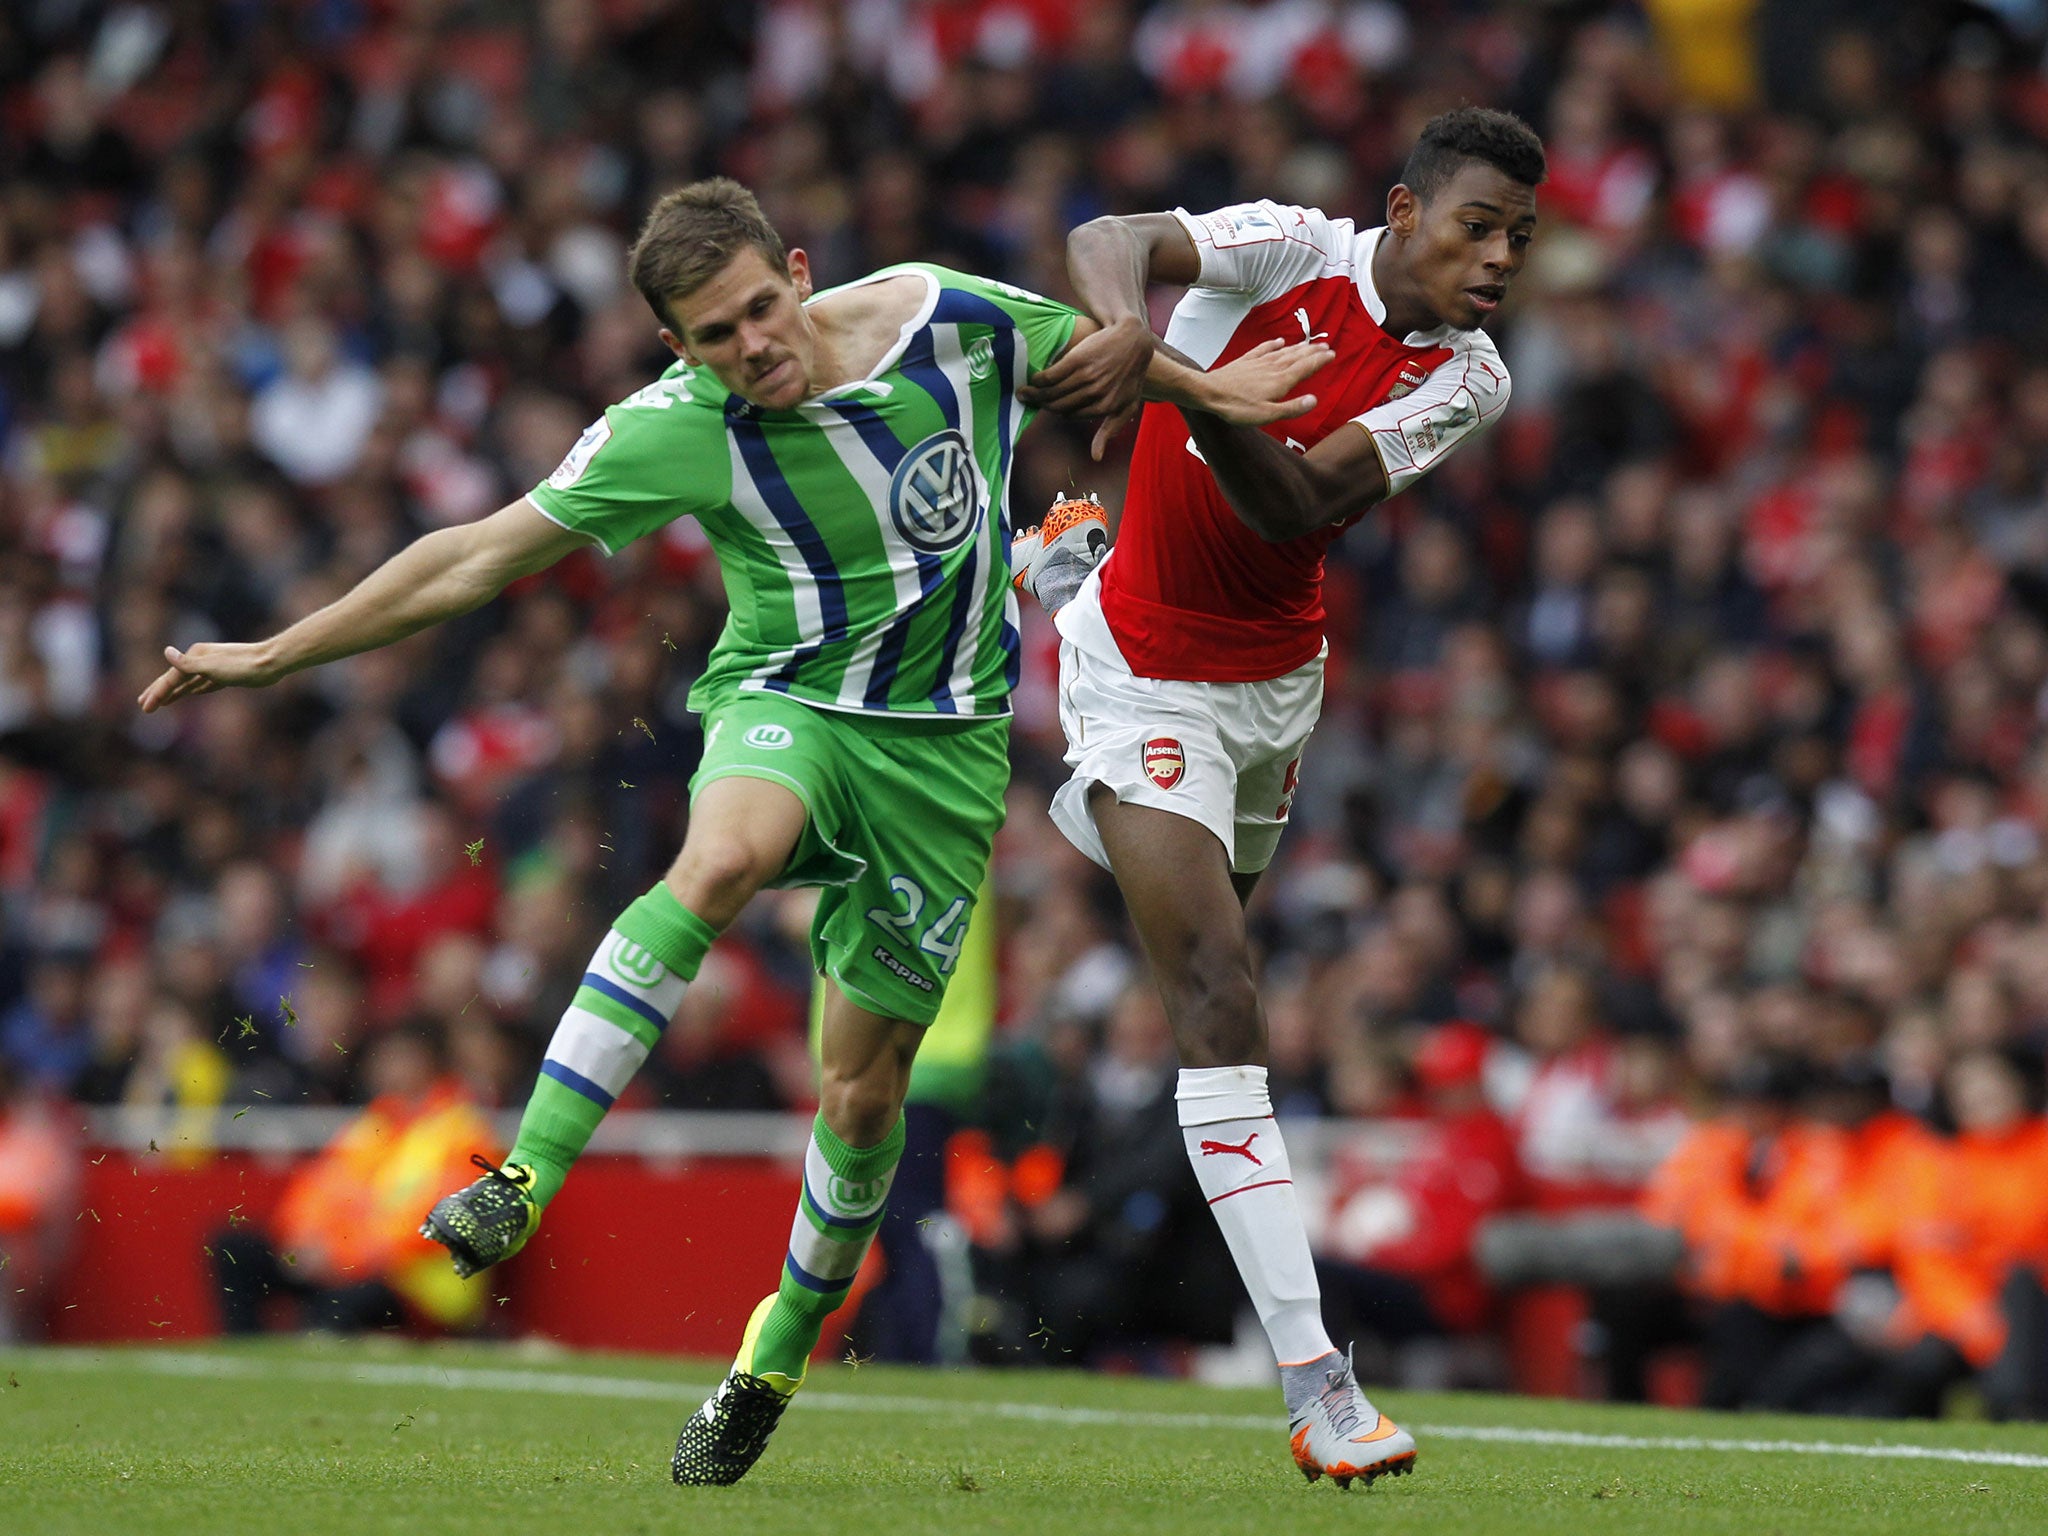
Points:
[(448, 572), (1280, 494), (1248, 391), (1110, 261)]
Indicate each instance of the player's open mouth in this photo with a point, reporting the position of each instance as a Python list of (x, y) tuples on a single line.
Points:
[(1486, 297)]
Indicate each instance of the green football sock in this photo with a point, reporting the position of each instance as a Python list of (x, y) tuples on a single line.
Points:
[(838, 1211), (631, 990)]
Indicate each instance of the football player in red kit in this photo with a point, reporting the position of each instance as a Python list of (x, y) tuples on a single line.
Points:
[(1191, 660)]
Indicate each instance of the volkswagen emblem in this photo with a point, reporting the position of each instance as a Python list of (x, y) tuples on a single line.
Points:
[(932, 495)]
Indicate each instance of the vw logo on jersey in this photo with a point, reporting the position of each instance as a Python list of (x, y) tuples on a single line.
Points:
[(932, 496)]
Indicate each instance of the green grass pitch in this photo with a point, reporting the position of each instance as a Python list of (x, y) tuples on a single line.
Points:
[(308, 1439)]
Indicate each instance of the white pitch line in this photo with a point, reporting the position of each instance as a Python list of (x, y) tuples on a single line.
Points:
[(580, 1384)]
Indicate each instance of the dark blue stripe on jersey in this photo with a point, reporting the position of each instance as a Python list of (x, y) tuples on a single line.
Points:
[(867, 422), (1005, 353), (624, 999), (788, 511), (956, 626), (958, 308), (569, 1077), (920, 365)]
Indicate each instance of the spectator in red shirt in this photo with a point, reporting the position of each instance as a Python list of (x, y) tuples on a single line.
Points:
[(1397, 1249)]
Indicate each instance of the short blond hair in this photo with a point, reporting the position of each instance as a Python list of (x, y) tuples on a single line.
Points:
[(690, 236)]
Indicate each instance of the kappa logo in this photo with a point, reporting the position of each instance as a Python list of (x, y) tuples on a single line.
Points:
[(932, 495), (769, 738), (903, 972), (1411, 379), (1164, 761), (1241, 1149), (981, 358), (631, 963)]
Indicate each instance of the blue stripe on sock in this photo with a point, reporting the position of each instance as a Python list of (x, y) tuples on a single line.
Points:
[(569, 1077), (835, 1221), (625, 999), (811, 1282)]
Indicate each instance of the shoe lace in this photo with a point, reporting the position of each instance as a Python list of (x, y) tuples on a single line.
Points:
[(492, 1169), (1339, 1398), (748, 1409)]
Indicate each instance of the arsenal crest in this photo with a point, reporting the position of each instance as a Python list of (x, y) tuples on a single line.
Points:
[(1410, 380), (1163, 761)]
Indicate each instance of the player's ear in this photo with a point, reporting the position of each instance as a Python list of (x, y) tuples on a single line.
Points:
[(674, 343), (800, 272), (1404, 210)]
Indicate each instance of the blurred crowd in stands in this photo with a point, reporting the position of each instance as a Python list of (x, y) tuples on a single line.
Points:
[(1673, 841)]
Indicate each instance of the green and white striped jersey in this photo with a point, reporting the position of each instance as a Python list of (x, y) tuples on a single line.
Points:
[(864, 535)]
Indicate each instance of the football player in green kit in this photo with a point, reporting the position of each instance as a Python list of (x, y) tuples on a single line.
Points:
[(848, 454)]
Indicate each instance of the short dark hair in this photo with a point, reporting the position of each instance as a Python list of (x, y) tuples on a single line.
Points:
[(691, 234), (1499, 139)]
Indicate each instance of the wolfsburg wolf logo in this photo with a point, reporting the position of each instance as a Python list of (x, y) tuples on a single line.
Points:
[(629, 962), (932, 497)]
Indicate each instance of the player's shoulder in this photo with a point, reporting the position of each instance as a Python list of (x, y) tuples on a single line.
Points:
[(1485, 370), (1267, 222), (680, 395), (953, 281), (648, 432)]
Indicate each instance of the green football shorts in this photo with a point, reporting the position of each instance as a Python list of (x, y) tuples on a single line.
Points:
[(903, 814)]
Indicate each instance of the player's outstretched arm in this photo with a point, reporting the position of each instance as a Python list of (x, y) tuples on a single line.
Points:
[(448, 572), (1280, 494), (1110, 261)]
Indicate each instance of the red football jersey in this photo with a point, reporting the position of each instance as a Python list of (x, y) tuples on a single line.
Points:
[(1189, 592)]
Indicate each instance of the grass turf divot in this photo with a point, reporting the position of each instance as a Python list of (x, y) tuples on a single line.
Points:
[(301, 1437)]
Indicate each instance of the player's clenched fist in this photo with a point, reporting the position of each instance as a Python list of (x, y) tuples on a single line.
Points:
[(207, 666)]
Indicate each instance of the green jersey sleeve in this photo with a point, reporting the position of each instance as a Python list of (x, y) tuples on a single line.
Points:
[(1044, 324), (656, 456)]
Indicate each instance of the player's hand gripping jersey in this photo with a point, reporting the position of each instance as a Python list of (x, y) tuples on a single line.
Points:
[(1190, 592), (864, 535)]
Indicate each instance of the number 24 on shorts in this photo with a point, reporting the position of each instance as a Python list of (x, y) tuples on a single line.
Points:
[(941, 939)]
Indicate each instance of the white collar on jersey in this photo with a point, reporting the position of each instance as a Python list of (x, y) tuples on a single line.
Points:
[(873, 384), (1368, 247)]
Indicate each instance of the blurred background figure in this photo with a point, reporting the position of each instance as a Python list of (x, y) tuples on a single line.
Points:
[(39, 1174), (344, 1243), (1396, 1261)]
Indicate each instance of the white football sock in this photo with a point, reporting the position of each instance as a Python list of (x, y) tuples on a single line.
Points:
[(1240, 1161)]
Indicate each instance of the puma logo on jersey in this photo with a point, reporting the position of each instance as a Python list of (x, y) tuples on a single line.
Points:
[(1495, 379), (1308, 331)]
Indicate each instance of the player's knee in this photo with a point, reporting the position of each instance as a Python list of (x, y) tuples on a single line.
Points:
[(1214, 1006), (861, 1110), (717, 874)]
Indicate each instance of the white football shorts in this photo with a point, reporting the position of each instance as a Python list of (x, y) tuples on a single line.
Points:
[(1224, 754)]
